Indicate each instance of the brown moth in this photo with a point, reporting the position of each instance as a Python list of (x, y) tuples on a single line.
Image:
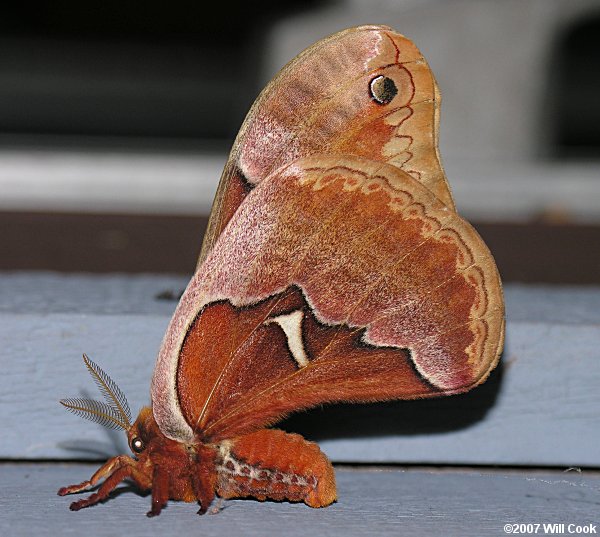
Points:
[(335, 268)]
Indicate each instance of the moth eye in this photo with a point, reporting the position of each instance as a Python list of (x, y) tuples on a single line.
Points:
[(137, 445), (383, 89)]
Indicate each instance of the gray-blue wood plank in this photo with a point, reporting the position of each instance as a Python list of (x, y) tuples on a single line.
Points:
[(541, 407), (371, 502)]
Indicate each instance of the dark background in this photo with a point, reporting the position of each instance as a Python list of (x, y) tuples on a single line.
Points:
[(180, 75), (73, 70)]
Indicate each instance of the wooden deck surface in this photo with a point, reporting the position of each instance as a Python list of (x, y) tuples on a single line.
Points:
[(537, 416), (382, 502)]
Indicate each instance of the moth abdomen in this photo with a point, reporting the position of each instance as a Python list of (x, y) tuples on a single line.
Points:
[(272, 464)]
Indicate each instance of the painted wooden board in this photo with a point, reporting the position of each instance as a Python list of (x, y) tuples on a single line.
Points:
[(541, 407), (372, 502)]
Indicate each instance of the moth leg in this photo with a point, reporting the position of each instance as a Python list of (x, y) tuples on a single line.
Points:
[(160, 491), (204, 483), (106, 469), (111, 482)]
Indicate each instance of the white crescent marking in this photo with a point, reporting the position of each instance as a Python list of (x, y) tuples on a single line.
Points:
[(291, 324)]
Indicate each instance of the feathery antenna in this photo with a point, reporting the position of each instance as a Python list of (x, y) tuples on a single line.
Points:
[(114, 413), (96, 411)]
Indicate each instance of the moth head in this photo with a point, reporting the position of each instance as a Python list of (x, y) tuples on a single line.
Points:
[(144, 432)]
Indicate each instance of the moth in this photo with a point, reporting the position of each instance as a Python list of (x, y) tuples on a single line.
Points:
[(335, 268)]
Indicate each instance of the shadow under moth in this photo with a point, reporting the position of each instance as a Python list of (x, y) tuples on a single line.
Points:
[(335, 268)]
